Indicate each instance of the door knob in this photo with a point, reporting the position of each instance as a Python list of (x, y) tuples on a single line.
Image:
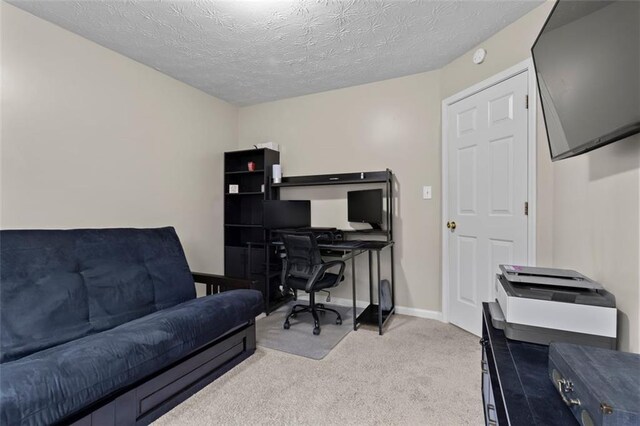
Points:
[(451, 225)]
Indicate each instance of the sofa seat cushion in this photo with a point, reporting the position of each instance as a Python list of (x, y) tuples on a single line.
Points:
[(49, 385)]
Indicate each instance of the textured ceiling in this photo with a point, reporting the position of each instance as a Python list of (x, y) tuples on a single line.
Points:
[(248, 52)]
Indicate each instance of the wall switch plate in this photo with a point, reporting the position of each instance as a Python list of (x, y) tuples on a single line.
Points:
[(426, 192)]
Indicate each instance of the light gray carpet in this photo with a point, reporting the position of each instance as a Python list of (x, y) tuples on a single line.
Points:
[(420, 372), (299, 339)]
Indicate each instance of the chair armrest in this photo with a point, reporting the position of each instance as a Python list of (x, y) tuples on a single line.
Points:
[(317, 275), (225, 283)]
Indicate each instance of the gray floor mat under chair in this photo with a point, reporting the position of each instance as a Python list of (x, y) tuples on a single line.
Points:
[(299, 339)]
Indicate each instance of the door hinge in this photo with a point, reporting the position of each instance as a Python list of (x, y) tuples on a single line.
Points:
[(526, 101), (526, 208)]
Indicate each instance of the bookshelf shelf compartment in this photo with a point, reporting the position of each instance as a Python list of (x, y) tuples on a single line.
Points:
[(245, 172), (235, 194)]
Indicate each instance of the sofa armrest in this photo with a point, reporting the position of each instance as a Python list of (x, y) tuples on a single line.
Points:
[(219, 283)]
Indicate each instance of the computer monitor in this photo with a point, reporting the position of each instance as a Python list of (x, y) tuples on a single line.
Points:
[(365, 207), (287, 214)]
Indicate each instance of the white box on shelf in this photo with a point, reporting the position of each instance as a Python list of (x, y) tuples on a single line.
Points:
[(269, 145), (234, 189)]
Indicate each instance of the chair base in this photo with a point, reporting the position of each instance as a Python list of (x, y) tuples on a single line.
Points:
[(314, 308)]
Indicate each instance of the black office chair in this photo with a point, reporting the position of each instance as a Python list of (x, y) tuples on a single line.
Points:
[(303, 269)]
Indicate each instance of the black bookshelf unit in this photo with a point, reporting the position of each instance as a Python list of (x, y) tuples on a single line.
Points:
[(243, 217)]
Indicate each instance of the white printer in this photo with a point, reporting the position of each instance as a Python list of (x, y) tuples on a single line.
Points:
[(541, 305)]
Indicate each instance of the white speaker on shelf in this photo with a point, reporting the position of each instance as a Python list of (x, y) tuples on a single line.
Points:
[(277, 173)]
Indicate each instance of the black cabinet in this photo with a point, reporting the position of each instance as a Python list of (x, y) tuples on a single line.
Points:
[(516, 389), (243, 217)]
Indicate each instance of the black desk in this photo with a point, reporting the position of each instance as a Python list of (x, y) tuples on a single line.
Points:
[(516, 389), (373, 314)]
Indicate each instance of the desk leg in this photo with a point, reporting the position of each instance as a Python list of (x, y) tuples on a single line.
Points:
[(370, 276), (393, 283), (353, 289), (379, 294), (267, 279)]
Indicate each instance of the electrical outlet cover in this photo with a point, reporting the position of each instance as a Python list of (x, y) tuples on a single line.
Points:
[(426, 192)]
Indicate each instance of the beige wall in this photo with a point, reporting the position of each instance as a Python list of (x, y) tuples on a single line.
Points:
[(93, 139), (393, 123), (505, 49), (90, 138), (587, 207), (596, 227)]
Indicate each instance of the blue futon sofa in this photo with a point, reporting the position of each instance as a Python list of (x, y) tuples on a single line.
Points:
[(102, 326)]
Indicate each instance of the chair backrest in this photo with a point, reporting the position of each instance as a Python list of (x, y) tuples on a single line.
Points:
[(303, 254)]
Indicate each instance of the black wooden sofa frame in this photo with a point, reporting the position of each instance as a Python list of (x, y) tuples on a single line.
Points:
[(146, 400)]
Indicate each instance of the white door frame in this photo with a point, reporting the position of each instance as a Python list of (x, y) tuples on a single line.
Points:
[(524, 66)]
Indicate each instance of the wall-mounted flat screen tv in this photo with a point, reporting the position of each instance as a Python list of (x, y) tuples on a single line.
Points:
[(587, 61)]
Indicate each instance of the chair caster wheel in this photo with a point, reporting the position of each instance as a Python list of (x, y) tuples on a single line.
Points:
[(316, 331), (339, 321), (286, 325)]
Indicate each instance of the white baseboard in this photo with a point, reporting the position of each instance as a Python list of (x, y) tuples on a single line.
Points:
[(420, 313), (402, 310)]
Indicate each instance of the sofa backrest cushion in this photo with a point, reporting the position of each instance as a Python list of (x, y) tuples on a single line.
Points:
[(57, 286)]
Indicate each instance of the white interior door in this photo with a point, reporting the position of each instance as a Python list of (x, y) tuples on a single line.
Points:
[(487, 192)]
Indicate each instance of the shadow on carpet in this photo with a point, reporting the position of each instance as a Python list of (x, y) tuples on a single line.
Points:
[(299, 339)]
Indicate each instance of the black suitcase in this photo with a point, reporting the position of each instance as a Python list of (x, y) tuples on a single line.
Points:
[(600, 386)]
